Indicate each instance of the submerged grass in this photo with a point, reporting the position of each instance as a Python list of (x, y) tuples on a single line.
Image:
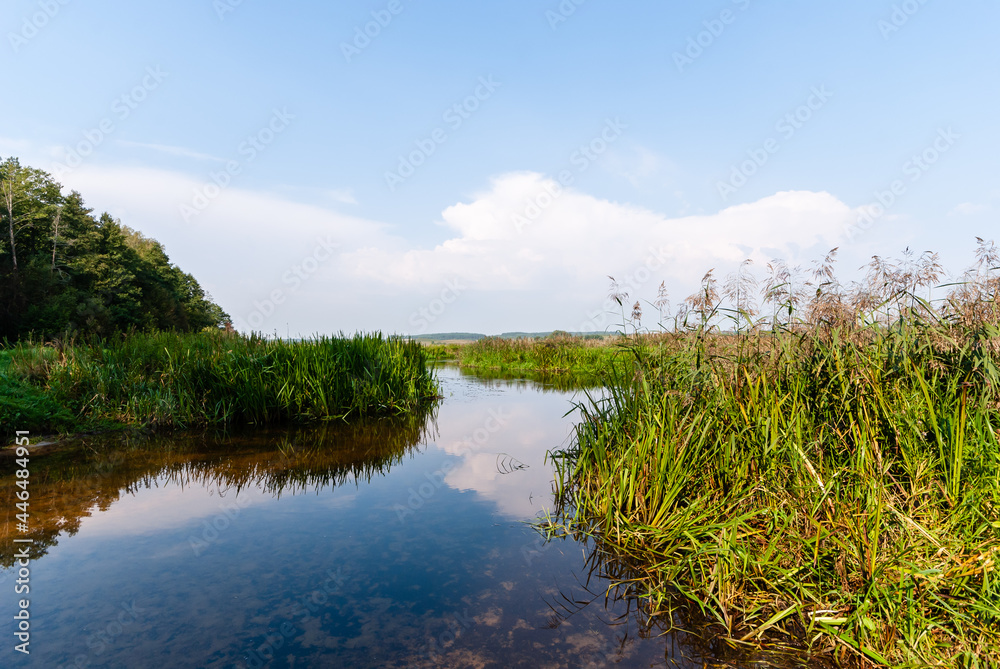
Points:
[(832, 484), (177, 380)]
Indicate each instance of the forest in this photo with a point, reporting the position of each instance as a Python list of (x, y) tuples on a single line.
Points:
[(65, 272)]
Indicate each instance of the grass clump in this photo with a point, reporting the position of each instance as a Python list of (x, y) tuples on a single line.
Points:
[(26, 407), (555, 353), (443, 352), (830, 482), (179, 380)]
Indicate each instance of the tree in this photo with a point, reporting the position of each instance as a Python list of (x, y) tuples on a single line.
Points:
[(27, 196)]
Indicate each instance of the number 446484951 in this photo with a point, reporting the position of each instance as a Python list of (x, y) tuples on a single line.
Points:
[(22, 475)]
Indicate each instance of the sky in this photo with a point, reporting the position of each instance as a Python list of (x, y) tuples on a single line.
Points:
[(416, 167)]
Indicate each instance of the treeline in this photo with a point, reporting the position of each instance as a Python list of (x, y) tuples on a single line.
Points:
[(65, 272)]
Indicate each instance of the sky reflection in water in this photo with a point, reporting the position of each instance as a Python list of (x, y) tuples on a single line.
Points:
[(357, 546)]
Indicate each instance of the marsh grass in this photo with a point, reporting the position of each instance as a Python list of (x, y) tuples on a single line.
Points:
[(24, 406), (827, 480), (553, 354), (177, 380)]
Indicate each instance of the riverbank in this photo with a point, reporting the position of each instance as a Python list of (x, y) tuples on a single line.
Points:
[(177, 381), (555, 354), (833, 488)]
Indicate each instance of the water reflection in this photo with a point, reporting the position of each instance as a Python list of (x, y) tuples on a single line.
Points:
[(386, 544), (84, 478), (541, 381)]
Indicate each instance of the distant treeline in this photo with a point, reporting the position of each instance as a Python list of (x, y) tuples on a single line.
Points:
[(65, 272)]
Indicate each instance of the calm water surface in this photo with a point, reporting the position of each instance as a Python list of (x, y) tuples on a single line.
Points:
[(389, 544)]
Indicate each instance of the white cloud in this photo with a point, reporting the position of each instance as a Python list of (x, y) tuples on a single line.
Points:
[(575, 239)]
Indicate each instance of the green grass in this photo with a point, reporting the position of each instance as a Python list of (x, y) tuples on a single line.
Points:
[(556, 353), (443, 352), (26, 407), (176, 380), (833, 488)]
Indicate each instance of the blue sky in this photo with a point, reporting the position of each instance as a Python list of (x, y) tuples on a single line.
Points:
[(309, 234)]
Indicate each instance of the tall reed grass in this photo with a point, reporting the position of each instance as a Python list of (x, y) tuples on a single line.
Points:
[(183, 380), (828, 479)]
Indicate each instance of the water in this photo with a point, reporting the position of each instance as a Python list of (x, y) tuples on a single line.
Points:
[(391, 544)]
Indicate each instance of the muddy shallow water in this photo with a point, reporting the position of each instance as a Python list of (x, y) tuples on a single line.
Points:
[(385, 544)]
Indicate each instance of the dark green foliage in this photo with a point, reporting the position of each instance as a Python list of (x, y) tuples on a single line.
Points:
[(64, 272)]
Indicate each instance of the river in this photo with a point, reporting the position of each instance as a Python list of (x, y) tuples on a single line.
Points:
[(379, 544)]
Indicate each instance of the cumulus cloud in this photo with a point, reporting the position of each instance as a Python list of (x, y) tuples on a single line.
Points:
[(528, 233)]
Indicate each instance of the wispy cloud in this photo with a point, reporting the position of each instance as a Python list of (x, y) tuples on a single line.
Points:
[(173, 151)]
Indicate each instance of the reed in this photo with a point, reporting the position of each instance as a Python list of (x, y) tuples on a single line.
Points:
[(828, 480), (179, 380)]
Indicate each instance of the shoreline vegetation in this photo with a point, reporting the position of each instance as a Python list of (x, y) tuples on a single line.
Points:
[(826, 479), (556, 353), (171, 380)]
